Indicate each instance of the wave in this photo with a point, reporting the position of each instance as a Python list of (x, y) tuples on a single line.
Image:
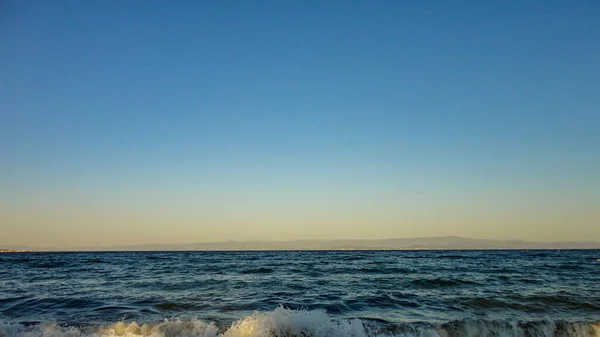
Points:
[(441, 282), (260, 270), (382, 270), (49, 264), (283, 322)]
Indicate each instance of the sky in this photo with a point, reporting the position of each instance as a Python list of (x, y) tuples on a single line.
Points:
[(132, 122)]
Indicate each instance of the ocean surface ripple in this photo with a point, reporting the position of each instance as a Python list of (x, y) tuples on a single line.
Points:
[(304, 293)]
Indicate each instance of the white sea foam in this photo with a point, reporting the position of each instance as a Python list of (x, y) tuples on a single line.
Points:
[(283, 322)]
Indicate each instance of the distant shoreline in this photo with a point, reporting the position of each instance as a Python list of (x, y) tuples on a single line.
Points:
[(297, 250), (15, 251), (423, 243)]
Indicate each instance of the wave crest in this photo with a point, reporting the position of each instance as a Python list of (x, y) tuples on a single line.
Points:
[(283, 322)]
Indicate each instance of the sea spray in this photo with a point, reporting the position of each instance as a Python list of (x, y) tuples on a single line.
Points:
[(283, 322)]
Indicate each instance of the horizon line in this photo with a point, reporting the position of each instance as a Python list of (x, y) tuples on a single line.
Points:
[(353, 244)]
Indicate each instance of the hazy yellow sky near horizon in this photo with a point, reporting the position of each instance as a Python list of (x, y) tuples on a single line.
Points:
[(88, 213)]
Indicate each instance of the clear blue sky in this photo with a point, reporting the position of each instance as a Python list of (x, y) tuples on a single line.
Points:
[(199, 121)]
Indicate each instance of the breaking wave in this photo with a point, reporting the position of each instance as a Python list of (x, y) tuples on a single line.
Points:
[(283, 322)]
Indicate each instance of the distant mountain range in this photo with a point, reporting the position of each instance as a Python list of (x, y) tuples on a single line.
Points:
[(426, 243)]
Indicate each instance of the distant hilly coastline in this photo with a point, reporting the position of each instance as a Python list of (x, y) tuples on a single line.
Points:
[(425, 243), (8, 250)]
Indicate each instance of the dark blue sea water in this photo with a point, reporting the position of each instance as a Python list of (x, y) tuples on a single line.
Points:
[(338, 293)]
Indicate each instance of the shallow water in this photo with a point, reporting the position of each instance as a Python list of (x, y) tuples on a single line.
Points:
[(341, 293)]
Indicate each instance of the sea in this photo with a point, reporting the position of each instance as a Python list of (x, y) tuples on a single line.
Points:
[(301, 293)]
